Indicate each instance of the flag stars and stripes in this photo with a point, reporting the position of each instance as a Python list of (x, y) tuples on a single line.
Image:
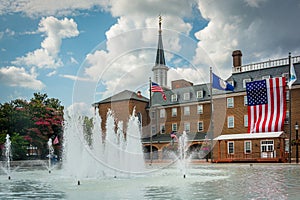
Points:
[(257, 93), (266, 105), (157, 88)]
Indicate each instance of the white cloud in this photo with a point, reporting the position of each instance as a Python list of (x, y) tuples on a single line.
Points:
[(35, 8), (194, 75), (56, 30), (51, 73), (18, 77), (39, 58), (262, 29), (128, 55), (73, 60), (81, 109), (7, 32), (255, 3), (75, 78), (47, 56)]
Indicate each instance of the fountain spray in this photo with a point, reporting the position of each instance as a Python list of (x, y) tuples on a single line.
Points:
[(51, 152), (182, 152), (8, 154)]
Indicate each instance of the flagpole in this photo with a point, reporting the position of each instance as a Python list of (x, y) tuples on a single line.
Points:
[(211, 115), (150, 105), (290, 111)]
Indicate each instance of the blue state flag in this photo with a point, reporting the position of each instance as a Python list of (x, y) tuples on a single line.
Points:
[(220, 84), (293, 76)]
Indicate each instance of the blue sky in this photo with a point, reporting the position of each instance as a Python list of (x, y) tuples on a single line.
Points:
[(83, 51)]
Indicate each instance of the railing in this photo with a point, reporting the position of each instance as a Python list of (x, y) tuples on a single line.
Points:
[(266, 64)]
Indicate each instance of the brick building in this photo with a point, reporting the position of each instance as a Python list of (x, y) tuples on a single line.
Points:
[(122, 106), (188, 108)]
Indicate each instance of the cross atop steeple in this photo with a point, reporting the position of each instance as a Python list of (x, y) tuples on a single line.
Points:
[(160, 57), (159, 23)]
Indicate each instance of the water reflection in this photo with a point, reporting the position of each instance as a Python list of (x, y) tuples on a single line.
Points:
[(28, 189), (220, 181)]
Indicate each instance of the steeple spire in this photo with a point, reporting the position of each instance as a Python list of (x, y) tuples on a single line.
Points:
[(160, 70), (160, 57)]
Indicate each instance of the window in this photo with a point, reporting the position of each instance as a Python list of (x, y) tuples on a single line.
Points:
[(153, 115), (200, 126), (162, 128), (246, 81), (187, 127), (247, 147), (186, 96), (230, 102), (200, 94), (174, 97), (199, 109), (267, 145), (153, 130), (162, 113), (286, 145), (174, 112), (230, 121), (245, 101), (186, 110), (287, 95), (230, 147), (287, 117), (174, 127), (245, 120)]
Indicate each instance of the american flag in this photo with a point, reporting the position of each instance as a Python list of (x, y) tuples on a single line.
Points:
[(266, 105), (56, 141), (156, 88)]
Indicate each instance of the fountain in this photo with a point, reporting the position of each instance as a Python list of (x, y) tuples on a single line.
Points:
[(117, 155), (183, 158), (8, 156), (51, 154), (94, 170)]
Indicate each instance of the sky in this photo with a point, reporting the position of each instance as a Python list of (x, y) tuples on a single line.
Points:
[(83, 51)]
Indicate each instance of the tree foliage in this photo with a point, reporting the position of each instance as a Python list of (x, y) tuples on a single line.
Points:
[(88, 129), (32, 122)]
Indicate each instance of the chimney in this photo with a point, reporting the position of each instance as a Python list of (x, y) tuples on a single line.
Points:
[(139, 94), (237, 58)]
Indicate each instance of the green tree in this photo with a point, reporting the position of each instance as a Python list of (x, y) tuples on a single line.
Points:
[(18, 147), (32, 122), (88, 129)]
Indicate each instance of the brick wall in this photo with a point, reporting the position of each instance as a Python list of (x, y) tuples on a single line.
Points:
[(122, 110)]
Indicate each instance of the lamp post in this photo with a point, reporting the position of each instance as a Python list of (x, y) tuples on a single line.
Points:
[(297, 154)]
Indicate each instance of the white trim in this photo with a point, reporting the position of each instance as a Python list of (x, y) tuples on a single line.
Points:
[(230, 119), (249, 136), (230, 142), (245, 147)]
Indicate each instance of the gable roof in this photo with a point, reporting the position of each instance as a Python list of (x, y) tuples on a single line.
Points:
[(123, 96)]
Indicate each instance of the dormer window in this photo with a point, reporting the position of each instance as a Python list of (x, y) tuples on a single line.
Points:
[(200, 94), (186, 96), (246, 81), (174, 97)]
